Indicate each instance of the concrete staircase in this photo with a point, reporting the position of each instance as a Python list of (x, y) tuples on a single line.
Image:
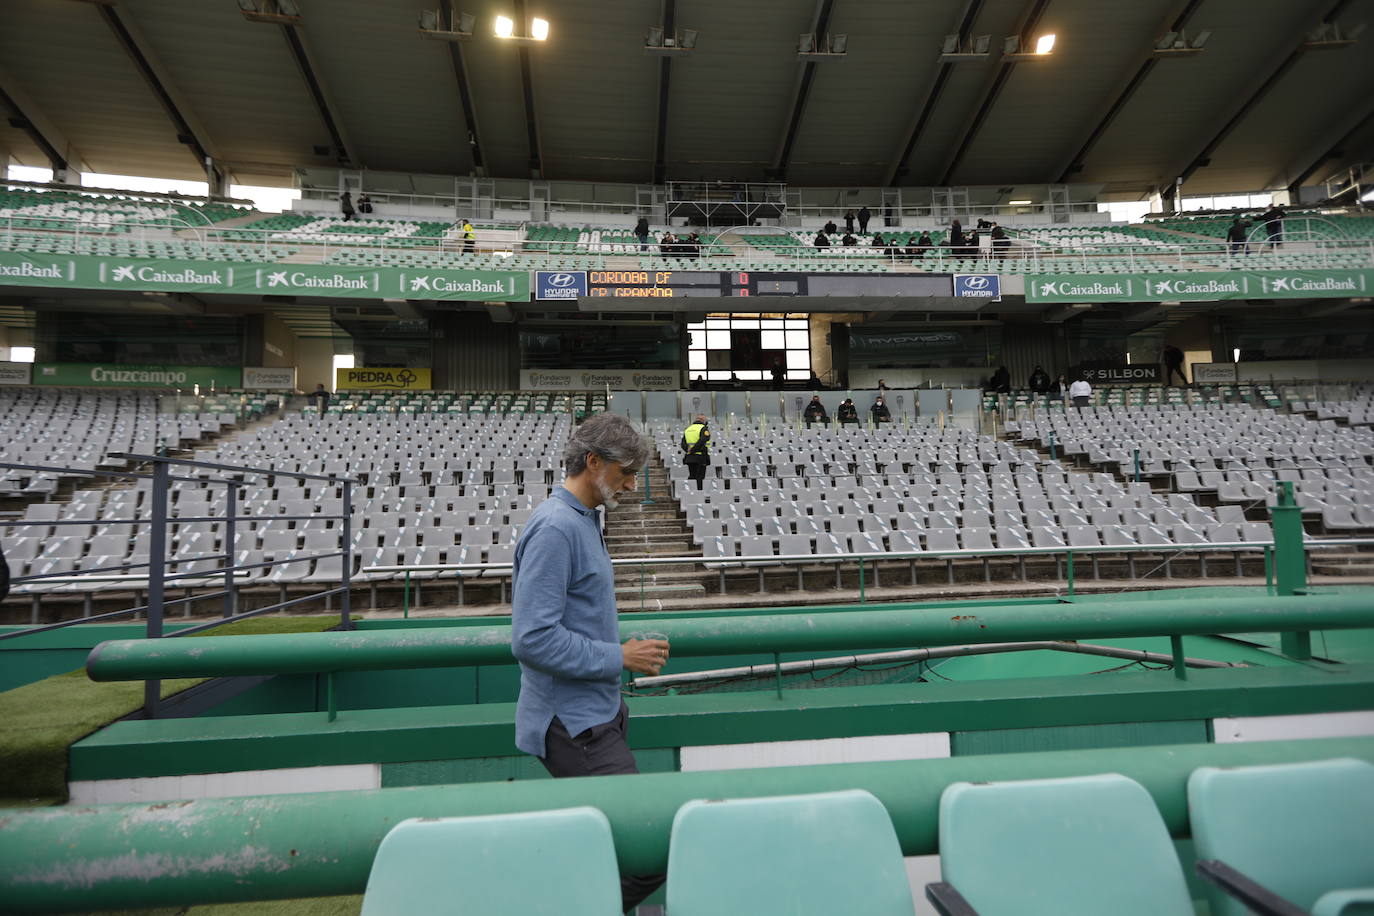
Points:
[(638, 530)]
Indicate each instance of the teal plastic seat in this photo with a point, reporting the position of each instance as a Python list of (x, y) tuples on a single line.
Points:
[(560, 863), (834, 852), (1302, 830), (1081, 846)]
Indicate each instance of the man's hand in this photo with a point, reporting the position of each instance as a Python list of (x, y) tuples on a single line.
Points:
[(644, 656)]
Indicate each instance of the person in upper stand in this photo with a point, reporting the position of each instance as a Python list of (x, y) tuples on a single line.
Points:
[(821, 241), (699, 383), (1235, 236), (1001, 243), (1273, 225), (667, 245), (642, 233), (814, 383), (321, 397), (849, 241), (831, 228), (879, 412), (972, 244), (882, 385), (956, 241), (469, 236), (878, 241), (849, 222), (913, 250), (1001, 380), (1173, 365), (1057, 388), (1081, 392), (346, 205), (984, 224), (848, 412), (1039, 381), (923, 245), (779, 373), (864, 216), (364, 204), (815, 412), (736, 382)]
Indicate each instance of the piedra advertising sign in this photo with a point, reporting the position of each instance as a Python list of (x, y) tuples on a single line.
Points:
[(382, 378), (1199, 286), (160, 275), (102, 375)]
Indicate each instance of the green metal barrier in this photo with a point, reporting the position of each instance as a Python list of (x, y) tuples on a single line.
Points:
[(286, 846), (134, 659)]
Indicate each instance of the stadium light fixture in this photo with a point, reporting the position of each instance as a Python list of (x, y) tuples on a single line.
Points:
[(1018, 203), (505, 27), (687, 39), (539, 29), (1329, 36), (1014, 49), (1045, 44), (1171, 44), (657, 42), (432, 25), (953, 52), (272, 12), (823, 47)]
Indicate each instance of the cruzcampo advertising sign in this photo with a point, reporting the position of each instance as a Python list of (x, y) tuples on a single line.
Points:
[(108, 375), (159, 275), (1199, 286)]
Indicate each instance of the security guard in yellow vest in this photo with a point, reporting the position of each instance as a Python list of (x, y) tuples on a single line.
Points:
[(469, 236), (696, 449)]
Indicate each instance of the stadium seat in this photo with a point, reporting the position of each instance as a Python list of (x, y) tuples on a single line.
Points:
[(1304, 831), (545, 863), (1084, 845), (833, 852)]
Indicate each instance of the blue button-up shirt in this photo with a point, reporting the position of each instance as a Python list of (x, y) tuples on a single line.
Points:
[(564, 629)]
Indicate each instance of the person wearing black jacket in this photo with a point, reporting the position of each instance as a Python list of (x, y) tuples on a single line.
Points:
[(923, 245), (879, 412), (1273, 225), (642, 233), (1039, 381), (849, 222), (864, 216), (821, 241), (4, 576), (1235, 236), (830, 228), (1001, 381), (847, 413), (849, 241), (696, 449), (815, 412)]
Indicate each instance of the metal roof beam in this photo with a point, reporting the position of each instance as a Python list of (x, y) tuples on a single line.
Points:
[(295, 41), (536, 158), (1034, 10), (1333, 150), (898, 167), (804, 81), (1276, 74), (460, 76), (1143, 63), (162, 90), (23, 115), (665, 70)]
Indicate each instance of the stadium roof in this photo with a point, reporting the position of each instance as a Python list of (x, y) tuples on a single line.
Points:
[(147, 87)]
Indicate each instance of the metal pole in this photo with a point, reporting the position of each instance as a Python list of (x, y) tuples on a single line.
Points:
[(157, 569), (1068, 569), (1290, 562), (231, 522), (346, 596), (1052, 457), (1180, 660), (1137, 465)]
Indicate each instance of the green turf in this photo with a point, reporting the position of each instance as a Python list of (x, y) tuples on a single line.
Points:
[(41, 720), (313, 906)]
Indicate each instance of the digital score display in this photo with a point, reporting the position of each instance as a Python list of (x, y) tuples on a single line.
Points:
[(669, 284), (712, 284)]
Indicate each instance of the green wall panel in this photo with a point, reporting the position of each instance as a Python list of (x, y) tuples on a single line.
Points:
[(1079, 737), (501, 769)]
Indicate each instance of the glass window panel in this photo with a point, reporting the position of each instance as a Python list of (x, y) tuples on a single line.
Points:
[(696, 340), (799, 340), (745, 324), (717, 376), (794, 374), (798, 359), (696, 360), (717, 324), (796, 324), (697, 326), (752, 375), (773, 324), (772, 340), (717, 340)]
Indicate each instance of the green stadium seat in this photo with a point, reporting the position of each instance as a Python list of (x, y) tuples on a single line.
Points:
[(544, 862), (1081, 846), (1304, 831), (834, 852)]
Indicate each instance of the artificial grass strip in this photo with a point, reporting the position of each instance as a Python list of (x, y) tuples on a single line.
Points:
[(310, 906), (39, 721)]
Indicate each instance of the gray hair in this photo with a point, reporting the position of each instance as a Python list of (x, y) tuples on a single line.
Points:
[(609, 435)]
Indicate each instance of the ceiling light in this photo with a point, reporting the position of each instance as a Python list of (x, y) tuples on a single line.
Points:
[(981, 44), (951, 44), (466, 21), (655, 38), (1045, 44), (807, 42), (838, 43), (687, 40), (1011, 45), (1018, 203), (505, 27), (539, 29), (1201, 39), (1166, 41)]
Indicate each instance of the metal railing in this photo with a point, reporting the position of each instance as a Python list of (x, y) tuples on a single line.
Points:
[(157, 580)]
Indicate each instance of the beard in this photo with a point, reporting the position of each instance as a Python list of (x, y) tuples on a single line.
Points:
[(608, 496)]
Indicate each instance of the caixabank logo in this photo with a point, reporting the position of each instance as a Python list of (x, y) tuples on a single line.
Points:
[(1314, 284)]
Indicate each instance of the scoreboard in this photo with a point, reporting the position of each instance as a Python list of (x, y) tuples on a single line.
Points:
[(678, 284), (684, 284)]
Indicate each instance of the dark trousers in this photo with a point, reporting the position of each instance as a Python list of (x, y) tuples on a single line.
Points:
[(599, 751), (1175, 369), (1081, 401), (697, 472)]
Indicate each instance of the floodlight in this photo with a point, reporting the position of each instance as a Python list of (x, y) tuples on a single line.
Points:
[(807, 42), (248, 6), (539, 29), (1011, 45), (950, 46), (466, 22), (1356, 30), (505, 27), (1166, 41), (288, 7), (838, 43), (1045, 44), (429, 19), (981, 44), (687, 39), (655, 38), (1200, 39)]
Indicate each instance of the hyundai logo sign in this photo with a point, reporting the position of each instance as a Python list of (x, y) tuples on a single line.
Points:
[(560, 284), (978, 286)]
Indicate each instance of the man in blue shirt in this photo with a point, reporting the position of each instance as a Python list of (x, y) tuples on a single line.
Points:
[(564, 626)]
